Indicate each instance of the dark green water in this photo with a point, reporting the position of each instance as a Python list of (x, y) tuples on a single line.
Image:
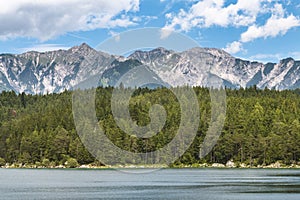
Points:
[(208, 184)]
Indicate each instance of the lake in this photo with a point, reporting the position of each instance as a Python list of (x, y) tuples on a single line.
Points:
[(208, 184)]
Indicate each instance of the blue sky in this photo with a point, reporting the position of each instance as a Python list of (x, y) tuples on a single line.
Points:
[(263, 30)]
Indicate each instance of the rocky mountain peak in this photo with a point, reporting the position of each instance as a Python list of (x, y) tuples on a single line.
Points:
[(81, 48), (160, 50), (55, 71), (286, 60)]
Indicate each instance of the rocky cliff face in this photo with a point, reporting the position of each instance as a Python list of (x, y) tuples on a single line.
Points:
[(195, 65), (40, 73), (55, 71)]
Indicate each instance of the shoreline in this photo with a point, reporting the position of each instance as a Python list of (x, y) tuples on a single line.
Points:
[(276, 165)]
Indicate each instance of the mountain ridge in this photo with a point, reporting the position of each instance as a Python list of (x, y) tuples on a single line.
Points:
[(55, 71)]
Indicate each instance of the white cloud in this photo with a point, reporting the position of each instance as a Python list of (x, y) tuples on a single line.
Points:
[(244, 13), (295, 55), (145, 19), (234, 47), (115, 35), (49, 18), (267, 57), (275, 26), (275, 57), (44, 48), (166, 32), (207, 13)]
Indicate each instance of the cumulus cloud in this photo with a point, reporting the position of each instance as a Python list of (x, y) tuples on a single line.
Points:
[(234, 47), (166, 32), (49, 18), (275, 26), (243, 13), (207, 13)]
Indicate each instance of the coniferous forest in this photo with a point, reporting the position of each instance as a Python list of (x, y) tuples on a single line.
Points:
[(261, 127)]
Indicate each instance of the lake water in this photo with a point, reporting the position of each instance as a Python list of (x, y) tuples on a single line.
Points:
[(208, 184)]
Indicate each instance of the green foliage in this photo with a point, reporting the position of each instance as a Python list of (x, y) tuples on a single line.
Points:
[(261, 127), (2, 162), (46, 162), (72, 163)]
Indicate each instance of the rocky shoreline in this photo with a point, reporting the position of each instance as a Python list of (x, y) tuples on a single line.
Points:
[(228, 165)]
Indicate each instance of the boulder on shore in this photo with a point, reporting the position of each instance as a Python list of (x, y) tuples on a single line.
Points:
[(230, 164), (243, 165), (217, 165), (274, 165)]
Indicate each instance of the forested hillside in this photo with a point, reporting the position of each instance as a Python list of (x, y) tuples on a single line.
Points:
[(261, 127)]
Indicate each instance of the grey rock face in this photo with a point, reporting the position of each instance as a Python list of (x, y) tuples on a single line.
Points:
[(55, 71)]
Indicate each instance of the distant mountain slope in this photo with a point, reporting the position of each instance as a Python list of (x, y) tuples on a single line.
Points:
[(195, 65), (55, 71)]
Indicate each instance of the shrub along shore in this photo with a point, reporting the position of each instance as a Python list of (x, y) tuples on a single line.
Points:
[(228, 165)]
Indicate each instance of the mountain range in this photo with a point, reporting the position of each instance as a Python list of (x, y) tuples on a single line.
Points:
[(55, 71)]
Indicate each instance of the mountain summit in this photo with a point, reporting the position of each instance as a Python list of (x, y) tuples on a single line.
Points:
[(55, 71)]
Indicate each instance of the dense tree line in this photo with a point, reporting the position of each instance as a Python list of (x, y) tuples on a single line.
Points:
[(261, 126)]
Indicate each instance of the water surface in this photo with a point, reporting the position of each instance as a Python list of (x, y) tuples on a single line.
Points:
[(208, 184)]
